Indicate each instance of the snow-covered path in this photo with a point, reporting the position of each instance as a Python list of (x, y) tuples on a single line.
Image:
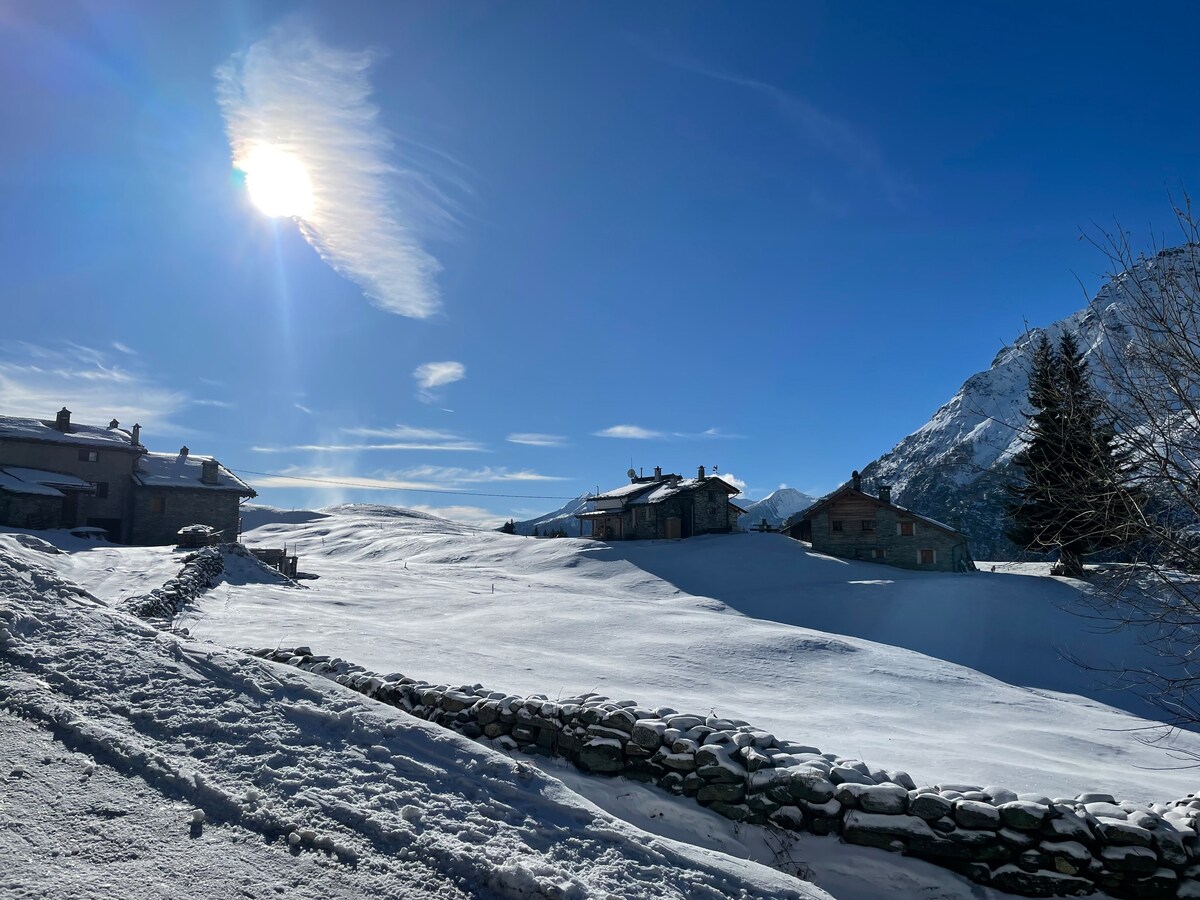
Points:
[(306, 787)]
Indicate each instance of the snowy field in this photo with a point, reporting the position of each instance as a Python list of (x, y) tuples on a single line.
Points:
[(955, 678), (140, 764)]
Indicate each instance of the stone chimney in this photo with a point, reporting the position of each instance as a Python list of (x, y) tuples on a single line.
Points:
[(658, 473), (700, 472), (885, 493), (208, 471), (183, 453), (856, 480), (135, 436), (114, 424), (63, 420)]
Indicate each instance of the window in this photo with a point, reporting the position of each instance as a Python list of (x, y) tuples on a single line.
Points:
[(89, 456), (905, 529), (928, 557), (101, 489), (868, 524), (837, 525), (158, 504), (712, 496), (878, 553)]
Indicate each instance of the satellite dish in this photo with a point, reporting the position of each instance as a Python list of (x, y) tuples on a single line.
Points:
[(632, 473)]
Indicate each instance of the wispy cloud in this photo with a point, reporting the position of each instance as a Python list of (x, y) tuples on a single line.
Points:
[(535, 439), (369, 212), (304, 409), (464, 446), (432, 375), (220, 404), (404, 433), (835, 136), (37, 379), (117, 345), (436, 374), (638, 433), (631, 432), (418, 478)]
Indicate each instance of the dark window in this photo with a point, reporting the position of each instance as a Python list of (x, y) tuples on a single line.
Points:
[(89, 456), (712, 496), (906, 529), (158, 504), (928, 557), (878, 553), (101, 490), (868, 524), (837, 525)]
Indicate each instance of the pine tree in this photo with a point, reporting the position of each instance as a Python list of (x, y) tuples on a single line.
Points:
[(1072, 498)]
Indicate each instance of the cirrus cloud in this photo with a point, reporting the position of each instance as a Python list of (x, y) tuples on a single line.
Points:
[(312, 101)]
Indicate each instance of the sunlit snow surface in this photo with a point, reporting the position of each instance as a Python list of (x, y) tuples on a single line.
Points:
[(661, 622)]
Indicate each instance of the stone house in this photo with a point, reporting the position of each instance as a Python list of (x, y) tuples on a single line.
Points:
[(60, 474), (661, 506), (853, 524)]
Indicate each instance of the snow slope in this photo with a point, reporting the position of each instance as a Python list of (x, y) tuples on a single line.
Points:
[(142, 764), (661, 622), (955, 466)]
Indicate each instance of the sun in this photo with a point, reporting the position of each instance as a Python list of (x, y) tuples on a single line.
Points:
[(277, 181)]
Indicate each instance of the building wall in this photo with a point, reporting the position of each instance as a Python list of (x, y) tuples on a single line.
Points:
[(32, 511), (697, 515), (114, 466), (201, 506), (885, 543)]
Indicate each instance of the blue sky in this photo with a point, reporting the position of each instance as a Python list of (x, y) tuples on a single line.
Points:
[(556, 239)]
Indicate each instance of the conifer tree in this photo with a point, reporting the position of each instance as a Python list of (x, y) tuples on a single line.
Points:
[(1072, 499)]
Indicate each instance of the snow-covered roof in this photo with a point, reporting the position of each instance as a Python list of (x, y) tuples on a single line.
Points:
[(170, 470), (42, 476), (644, 493), (828, 498), (14, 485), (625, 490), (21, 429)]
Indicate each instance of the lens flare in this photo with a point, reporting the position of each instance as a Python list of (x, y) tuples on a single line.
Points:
[(277, 182)]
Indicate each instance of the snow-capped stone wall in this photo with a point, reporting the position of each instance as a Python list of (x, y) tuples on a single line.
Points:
[(1020, 843), (200, 571)]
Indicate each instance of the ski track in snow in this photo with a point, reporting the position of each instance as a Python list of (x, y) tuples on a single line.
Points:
[(150, 725)]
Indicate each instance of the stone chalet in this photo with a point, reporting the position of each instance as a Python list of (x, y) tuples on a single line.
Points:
[(661, 506), (57, 474), (853, 524)]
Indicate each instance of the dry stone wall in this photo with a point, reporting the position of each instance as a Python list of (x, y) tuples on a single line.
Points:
[(1020, 843)]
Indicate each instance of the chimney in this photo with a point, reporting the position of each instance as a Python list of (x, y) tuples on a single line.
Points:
[(63, 420), (856, 480), (135, 437), (114, 424), (183, 452), (658, 473), (885, 493), (700, 472), (208, 471)]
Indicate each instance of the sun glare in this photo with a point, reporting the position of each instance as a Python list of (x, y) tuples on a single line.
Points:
[(277, 182)]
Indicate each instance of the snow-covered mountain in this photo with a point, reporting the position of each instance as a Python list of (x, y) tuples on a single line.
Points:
[(955, 467), (562, 519), (776, 507)]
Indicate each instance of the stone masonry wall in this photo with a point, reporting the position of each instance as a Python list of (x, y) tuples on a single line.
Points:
[(900, 550), (1025, 844), (183, 507)]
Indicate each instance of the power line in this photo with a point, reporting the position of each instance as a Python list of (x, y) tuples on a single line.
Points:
[(385, 487)]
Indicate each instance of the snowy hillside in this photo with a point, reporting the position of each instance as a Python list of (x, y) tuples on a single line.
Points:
[(777, 507), (955, 678), (142, 764), (954, 468), (562, 519)]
